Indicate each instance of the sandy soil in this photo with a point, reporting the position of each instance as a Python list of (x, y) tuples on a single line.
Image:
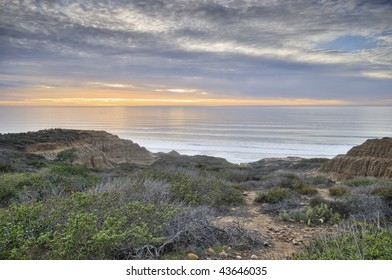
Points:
[(281, 239)]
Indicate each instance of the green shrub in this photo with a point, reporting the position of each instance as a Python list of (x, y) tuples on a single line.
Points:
[(71, 177), (20, 225), (361, 206), (235, 175), (81, 226), (290, 181), (273, 196), (312, 216), (15, 187), (356, 242), (337, 206), (316, 200), (193, 188), (302, 188), (337, 191), (6, 168), (385, 193), (285, 180), (367, 181), (25, 187), (67, 156), (122, 230), (37, 161), (230, 194), (200, 191)]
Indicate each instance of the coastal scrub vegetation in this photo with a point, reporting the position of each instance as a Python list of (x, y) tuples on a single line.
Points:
[(360, 210), (352, 241), (67, 211), (58, 209)]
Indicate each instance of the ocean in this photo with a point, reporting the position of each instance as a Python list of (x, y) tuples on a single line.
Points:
[(239, 134)]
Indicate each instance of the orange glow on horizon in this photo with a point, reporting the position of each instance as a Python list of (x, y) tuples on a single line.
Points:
[(148, 97), (170, 102)]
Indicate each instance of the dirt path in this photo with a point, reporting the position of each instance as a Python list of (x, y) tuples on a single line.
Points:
[(282, 239)]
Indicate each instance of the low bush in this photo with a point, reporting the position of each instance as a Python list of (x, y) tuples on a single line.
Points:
[(312, 215), (302, 188), (273, 196), (336, 206), (366, 207), (385, 193), (367, 181), (235, 175), (209, 192), (67, 156), (35, 186), (289, 181), (18, 187), (192, 188), (286, 179), (357, 241), (337, 191), (82, 226), (6, 168), (105, 226), (71, 177)]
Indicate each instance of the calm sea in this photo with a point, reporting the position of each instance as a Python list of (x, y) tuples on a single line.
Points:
[(239, 134)]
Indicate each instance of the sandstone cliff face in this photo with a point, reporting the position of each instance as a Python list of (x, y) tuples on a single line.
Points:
[(97, 149), (372, 158)]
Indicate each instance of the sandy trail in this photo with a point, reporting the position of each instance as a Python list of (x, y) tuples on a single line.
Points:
[(281, 239)]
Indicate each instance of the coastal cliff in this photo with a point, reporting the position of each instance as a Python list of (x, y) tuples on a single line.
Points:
[(372, 158), (98, 149)]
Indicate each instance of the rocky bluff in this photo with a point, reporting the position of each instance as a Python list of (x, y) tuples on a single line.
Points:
[(98, 149), (372, 158)]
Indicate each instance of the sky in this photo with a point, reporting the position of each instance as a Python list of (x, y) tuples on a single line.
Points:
[(177, 52)]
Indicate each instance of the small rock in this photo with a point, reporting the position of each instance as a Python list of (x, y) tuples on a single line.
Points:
[(289, 239), (266, 244), (254, 257), (223, 254), (238, 257), (192, 256), (210, 251), (228, 248), (297, 241)]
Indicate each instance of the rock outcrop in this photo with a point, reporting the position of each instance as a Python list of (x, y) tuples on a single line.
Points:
[(372, 158), (98, 149)]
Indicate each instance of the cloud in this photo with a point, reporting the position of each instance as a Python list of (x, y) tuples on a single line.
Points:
[(251, 48), (177, 90), (107, 85)]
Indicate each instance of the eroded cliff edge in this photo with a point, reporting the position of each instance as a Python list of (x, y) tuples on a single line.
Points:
[(98, 149), (372, 158)]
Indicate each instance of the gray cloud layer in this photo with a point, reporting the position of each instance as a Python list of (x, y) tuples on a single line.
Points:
[(237, 48)]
